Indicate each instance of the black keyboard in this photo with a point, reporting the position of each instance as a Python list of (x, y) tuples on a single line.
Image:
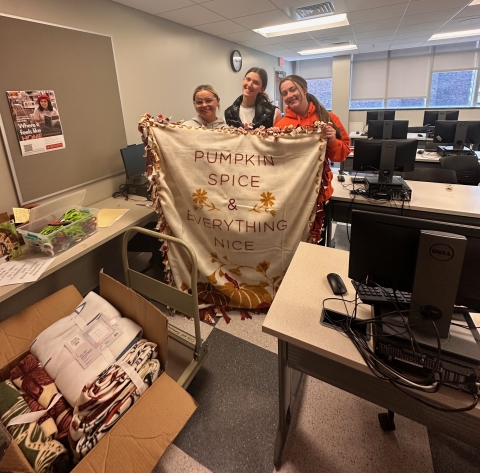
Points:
[(377, 295)]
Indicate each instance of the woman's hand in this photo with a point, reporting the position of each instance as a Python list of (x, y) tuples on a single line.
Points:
[(329, 134)]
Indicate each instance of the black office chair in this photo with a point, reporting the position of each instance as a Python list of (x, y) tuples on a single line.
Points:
[(445, 176), (466, 167)]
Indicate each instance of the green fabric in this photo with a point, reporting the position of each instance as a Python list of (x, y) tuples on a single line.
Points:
[(45, 455)]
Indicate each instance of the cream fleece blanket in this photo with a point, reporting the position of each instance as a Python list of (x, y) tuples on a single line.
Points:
[(243, 200), (50, 347)]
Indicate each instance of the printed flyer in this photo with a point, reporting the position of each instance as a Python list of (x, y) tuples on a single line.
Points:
[(36, 120)]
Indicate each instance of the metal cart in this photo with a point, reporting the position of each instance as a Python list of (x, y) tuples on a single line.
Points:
[(186, 353)]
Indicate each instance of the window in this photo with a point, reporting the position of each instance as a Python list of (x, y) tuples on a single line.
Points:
[(407, 103), (322, 89), (363, 104), (452, 88)]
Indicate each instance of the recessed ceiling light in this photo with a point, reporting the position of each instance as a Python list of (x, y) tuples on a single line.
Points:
[(475, 2), (332, 49), (331, 21), (454, 34)]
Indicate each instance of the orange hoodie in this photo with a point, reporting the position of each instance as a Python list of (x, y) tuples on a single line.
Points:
[(337, 151)]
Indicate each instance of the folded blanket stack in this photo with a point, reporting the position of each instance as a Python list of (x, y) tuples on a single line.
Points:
[(93, 319), (43, 454), (38, 390), (105, 399)]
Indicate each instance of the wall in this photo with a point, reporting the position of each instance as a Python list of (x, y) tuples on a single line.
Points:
[(341, 87), (159, 64)]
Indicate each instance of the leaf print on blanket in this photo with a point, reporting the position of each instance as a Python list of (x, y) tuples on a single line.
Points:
[(200, 199), (266, 202)]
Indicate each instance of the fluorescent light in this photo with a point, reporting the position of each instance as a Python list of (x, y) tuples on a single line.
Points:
[(333, 49), (475, 2), (331, 21), (455, 34)]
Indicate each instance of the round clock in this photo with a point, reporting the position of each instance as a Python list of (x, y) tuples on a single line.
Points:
[(236, 60)]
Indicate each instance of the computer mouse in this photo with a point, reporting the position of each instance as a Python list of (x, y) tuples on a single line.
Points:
[(340, 178), (358, 132), (336, 283), (420, 135), (420, 151)]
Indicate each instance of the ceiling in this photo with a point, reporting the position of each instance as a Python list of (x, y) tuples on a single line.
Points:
[(375, 25)]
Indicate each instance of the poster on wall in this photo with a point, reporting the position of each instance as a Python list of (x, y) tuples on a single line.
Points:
[(36, 120)]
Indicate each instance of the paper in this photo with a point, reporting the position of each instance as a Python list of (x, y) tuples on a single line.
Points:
[(107, 217), (21, 215), (27, 270)]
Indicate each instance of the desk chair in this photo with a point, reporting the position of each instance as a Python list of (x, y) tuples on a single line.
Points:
[(445, 176), (466, 167)]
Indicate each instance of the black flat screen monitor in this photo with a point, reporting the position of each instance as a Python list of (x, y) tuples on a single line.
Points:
[(384, 248), (431, 116), (367, 155), (388, 129), (381, 115), (133, 160), (473, 134)]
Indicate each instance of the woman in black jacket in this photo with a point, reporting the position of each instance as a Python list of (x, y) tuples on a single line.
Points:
[(253, 106)]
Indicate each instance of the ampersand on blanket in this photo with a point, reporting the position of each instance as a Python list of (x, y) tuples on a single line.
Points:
[(231, 205)]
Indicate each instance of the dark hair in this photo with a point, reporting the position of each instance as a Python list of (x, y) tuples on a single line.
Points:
[(320, 110), (49, 107), (262, 96)]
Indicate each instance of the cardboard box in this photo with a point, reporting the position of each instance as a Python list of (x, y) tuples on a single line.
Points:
[(142, 435)]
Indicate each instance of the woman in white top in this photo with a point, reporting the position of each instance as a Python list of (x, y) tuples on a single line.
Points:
[(44, 109), (253, 107), (207, 103)]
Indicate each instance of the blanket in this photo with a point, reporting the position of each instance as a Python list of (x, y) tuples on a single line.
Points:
[(106, 399), (39, 390), (243, 199), (43, 454), (62, 347)]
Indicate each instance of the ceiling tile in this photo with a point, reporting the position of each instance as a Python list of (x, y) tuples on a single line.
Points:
[(331, 32), (281, 52), (268, 47), (298, 45), (233, 8), (429, 17), (427, 6), (463, 23), (468, 12), (156, 6), (376, 33), (376, 14), (192, 16), (339, 39), (261, 20), (358, 5), (243, 36), (406, 45), (376, 25), (199, 1), (435, 25), (367, 48), (379, 39), (424, 32), (258, 41), (417, 41), (221, 27), (470, 38)]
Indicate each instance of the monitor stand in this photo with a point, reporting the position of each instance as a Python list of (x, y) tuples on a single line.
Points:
[(437, 275), (385, 177)]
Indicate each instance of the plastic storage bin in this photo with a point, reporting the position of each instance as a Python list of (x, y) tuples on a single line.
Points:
[(66, 235)]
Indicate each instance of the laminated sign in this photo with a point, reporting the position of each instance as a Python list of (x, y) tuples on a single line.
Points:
[(243, 199)]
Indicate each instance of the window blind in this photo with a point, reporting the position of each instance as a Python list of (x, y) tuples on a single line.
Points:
[(320, 68), (369, 76), (455, 57)]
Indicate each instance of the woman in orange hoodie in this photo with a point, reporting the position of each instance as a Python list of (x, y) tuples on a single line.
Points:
[(303, 109)]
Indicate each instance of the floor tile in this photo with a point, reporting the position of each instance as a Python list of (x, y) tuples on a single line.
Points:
[(249, 330), (233, 429), (336, 432), (175, 460)]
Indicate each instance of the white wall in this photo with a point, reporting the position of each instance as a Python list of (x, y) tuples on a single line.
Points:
[(159, 64)]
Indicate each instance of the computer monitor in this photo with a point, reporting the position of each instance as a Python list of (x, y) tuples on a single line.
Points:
[(438, 262), (134, 161), (431, 116), (379, 155), (388, 129), (381, 115), (473, 134), (451, 133)]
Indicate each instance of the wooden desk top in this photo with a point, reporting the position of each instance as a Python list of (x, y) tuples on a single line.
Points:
[(136, 215), (426, 196)]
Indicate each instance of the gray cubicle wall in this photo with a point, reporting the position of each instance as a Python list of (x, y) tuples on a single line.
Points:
[(80, 68)]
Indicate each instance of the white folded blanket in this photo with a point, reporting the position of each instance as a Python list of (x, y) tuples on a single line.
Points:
[(50, 347)]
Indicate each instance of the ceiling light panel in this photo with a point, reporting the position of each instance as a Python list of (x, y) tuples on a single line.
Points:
[(333, 49), (331, 21), (454, 34)]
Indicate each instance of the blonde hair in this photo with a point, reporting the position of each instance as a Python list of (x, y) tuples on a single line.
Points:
[(208, 88)]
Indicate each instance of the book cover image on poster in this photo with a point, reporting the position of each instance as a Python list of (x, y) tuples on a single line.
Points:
[(37, 120)]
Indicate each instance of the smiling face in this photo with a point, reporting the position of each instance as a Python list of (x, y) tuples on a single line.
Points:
[(44, 103), (295, 97), (206, 104), (252, 85)]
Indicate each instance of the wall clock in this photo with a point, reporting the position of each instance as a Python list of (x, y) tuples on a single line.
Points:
[(236, 60)]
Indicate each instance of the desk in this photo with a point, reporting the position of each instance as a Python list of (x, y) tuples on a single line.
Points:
[(410, 136), (80, 264), (430, 201), (306, 347)]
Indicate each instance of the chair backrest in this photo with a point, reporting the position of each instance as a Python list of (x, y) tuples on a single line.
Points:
[(446, 176), (466, 167)]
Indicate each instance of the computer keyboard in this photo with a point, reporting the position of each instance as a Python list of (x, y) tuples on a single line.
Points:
[(377, 295)]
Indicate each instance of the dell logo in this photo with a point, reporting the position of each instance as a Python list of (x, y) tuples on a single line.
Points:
[(441, 252)]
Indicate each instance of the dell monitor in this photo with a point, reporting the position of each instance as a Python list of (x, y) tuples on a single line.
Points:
[(388, 129), (134, 161), (381, 115), (431, 116), (437, 262), (451, 135), (384, 156)]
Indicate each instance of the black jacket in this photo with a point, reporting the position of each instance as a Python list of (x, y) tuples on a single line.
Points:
[(264, 114)]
